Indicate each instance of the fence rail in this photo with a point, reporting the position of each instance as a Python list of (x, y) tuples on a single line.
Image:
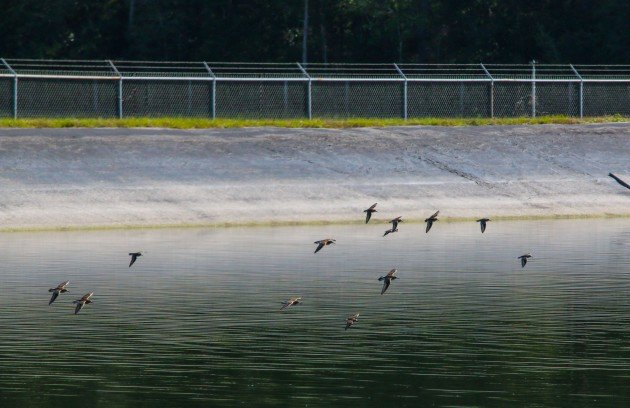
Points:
[(78, 88)]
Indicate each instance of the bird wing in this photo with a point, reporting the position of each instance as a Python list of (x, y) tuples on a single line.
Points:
[(386, 283), (63, 285), (483, 226), (620, 181), (523, 261), (133, 259), (320, 246), (435, 215), (373, 206), (368, 215), (429, 224), (54, 296), (394, 224), (79, 307)]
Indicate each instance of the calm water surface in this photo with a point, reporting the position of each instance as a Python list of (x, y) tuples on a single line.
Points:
[(196, 321)]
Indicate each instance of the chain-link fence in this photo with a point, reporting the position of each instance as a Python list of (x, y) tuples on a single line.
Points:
[(50, 88)]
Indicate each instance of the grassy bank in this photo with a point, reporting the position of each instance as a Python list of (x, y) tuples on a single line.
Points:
[(202, 123)]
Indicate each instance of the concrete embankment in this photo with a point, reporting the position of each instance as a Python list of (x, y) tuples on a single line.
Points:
[(55, 178)]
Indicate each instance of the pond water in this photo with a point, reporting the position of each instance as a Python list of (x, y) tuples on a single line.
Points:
[(196, 321)]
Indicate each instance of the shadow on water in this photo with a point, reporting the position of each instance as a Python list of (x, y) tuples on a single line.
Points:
[(196, 320)]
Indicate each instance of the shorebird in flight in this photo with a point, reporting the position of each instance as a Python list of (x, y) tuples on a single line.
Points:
[(61, 288), (620, 181), (323, 242), (82, 302), (351, 320), (369, 212), (390, 231), (523, 259), (134, 256), (431, 220), (395, 222), (387, 279), (291, 302), (483, 222)]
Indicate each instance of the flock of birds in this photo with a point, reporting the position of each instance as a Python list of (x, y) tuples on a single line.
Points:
[(85, 299), (387, 279), (350, 320)]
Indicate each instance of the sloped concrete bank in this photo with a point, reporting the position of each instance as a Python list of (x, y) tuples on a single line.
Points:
[(56, 178)]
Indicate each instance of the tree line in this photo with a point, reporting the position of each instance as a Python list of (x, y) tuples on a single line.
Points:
[(425, 31)]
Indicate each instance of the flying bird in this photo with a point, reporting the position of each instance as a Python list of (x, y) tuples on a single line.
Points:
[(523, 259), (620, 181), (483, 222), (368, 212), (82, 302), (387, 279), (291, 302), (61, 288), (351, 320), (395, 222), (431, 220), (390, 231), (134, 256), (323, 242)]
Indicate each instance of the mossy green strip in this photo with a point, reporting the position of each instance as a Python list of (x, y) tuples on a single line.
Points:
[(253, 224), (202, 123)]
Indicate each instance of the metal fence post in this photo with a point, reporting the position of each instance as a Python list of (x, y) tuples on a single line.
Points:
[(15, 88), (309, 92), (405, 104), (533, 88), (15, 96), (581, 90), (213, 106), (491, 89), (120, 90), (214, 98), (120, 98)]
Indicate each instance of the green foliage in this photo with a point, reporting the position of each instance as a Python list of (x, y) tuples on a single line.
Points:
[(201, 123), (516, 31)]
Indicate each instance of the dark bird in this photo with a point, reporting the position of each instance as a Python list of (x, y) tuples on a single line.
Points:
[(61, 288), (351, 320), (387, 279), (323, 242), (390, 231), (82, 302), (134, 256), (369, 212), (523, 259), (395, 222), (620, 181), (483, 222), (431, 220), (291, 302)]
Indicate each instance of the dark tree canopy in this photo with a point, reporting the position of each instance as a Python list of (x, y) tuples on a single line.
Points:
[(508, 31)]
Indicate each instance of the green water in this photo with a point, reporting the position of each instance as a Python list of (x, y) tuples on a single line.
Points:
[(196, 321)]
